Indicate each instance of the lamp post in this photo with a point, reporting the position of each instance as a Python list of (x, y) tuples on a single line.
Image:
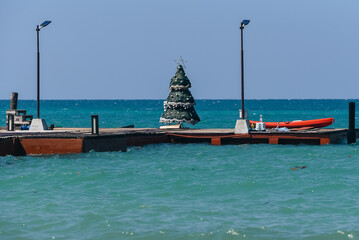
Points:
[(44, 24), (38, 124), (244, 22)]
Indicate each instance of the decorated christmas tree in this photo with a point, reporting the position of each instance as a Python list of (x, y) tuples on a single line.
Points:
[(178, 107)]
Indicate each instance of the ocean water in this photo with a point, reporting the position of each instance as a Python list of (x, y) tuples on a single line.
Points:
[(183, 191)]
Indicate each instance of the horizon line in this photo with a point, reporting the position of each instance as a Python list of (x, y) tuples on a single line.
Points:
[(156, 99)]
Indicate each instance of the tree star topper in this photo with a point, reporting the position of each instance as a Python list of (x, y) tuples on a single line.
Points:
[(180, 61)]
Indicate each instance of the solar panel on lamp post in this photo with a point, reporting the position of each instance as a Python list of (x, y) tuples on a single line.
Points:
[(244, 22)]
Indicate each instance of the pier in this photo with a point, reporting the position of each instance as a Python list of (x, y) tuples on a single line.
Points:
[(82, 140)]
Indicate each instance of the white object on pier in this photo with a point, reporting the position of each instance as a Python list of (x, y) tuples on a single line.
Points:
[(261, 126)]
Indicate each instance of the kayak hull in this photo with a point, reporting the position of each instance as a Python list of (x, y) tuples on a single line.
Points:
[(315, 123)]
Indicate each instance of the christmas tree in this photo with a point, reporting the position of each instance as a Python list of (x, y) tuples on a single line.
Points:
[(178, 106)]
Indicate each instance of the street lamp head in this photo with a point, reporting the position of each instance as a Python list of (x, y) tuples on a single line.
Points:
[(44, 24), (245, 22)]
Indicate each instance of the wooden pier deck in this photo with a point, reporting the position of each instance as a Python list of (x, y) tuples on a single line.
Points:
[(79, 140), (227, 136)]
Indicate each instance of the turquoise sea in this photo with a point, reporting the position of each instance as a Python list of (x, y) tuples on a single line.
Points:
[(183, 191)]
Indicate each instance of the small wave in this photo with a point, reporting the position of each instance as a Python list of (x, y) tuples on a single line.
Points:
[(232, 232)]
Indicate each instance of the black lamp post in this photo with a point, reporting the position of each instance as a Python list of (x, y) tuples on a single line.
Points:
[(244, 22), (44, 24)]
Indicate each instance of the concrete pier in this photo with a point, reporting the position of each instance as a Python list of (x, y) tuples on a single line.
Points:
[(81, 140)]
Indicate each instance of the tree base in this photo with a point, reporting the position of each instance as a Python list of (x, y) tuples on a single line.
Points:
[(174, 126)]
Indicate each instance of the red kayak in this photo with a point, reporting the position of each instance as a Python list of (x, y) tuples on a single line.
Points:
[(315, 123)]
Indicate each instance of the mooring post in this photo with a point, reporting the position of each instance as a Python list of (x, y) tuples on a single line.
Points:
[(94, 124), (13, 103), (11, 122), (351, 136)]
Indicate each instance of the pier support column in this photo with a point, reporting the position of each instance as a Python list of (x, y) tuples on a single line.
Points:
[(351, 135), (216, 141), (324, 141), (273, 140)]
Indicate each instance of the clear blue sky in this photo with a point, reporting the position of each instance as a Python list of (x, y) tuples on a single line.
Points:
[(124, 49)]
